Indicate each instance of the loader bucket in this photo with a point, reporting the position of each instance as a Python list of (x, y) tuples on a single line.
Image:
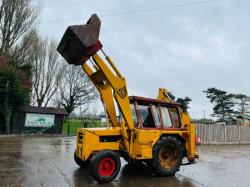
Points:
[(80, 42)]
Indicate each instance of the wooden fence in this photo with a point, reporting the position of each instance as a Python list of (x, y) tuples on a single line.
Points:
[(223, 134)]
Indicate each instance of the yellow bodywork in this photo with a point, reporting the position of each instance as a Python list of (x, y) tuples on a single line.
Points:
[(123, 136), (141, 145)]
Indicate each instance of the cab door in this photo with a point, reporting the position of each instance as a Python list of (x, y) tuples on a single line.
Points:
[(149, 116), (146, 131)]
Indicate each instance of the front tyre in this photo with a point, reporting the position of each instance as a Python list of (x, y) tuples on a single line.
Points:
[(104, 166), (167, 156)]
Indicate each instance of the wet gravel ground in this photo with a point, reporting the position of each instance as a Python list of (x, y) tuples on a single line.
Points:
[(48, 161)]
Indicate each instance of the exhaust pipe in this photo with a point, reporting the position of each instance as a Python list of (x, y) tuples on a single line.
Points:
[(80, 42)]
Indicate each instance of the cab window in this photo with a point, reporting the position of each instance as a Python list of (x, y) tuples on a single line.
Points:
[(146, 116), (134, 116), (175, 117), (167, 123), (156, 114)]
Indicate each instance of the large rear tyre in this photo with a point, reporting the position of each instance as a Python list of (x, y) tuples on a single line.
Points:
[(167, 156), (81, 163), (104, 166)]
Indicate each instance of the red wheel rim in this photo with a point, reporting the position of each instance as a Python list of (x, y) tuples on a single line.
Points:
[(106, 167)]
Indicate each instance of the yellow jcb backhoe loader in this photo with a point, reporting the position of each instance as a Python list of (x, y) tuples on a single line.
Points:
[(157, 132)]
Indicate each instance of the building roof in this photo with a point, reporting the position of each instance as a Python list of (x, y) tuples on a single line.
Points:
[(43, 110)]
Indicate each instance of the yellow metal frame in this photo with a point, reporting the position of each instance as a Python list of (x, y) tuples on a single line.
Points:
[(163, 95), (112, 84)]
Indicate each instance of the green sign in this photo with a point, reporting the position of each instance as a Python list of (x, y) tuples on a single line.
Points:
[(39, 120)]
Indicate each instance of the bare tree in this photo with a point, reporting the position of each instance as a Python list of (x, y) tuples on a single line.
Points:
[(16, 18), (75, 90), (23, 53), (46, 71)]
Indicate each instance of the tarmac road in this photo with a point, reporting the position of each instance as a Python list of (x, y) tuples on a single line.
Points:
[(48, 161)]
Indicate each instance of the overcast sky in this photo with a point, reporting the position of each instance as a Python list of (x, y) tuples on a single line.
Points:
[(184, 49)]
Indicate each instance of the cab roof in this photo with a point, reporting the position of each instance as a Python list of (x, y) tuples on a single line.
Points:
[(151, 100)]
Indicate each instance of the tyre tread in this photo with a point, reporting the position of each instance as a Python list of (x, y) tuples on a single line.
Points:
[(155, 165)]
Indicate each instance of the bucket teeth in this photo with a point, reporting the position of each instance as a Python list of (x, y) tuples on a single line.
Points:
[(79, 42)]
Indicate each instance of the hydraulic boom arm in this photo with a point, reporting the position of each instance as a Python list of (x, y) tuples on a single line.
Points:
[(81, 43)]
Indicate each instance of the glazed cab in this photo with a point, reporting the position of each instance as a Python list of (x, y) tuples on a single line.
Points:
[(155, 114)]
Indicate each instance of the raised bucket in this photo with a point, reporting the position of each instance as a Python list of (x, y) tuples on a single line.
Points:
[(80, 42)]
